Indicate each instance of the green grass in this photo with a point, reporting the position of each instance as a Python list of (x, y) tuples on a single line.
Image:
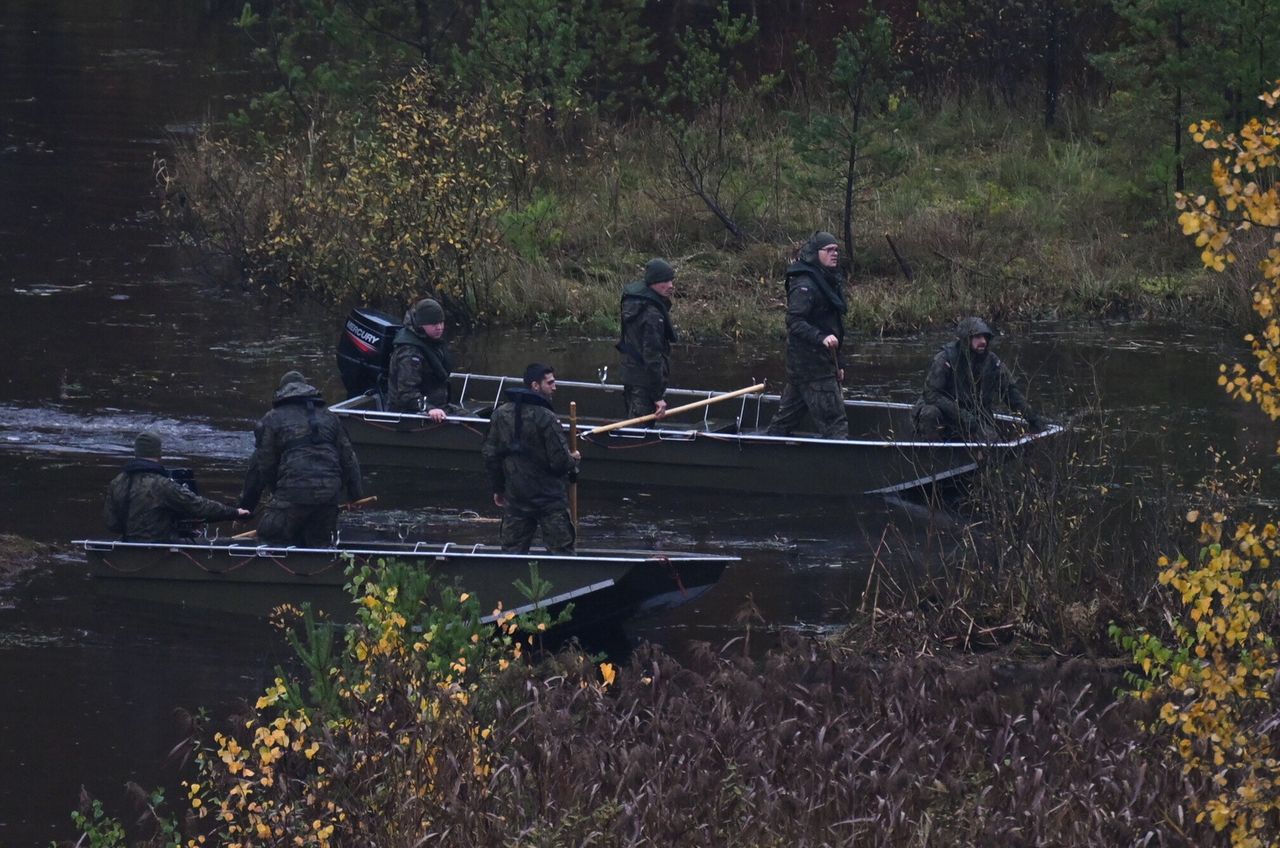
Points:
[(995, 215)]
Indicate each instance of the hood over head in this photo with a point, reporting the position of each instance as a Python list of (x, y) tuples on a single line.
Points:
[(970, 327)]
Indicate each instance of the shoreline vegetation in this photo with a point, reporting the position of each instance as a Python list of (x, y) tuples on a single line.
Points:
[(1072, 659), (520, 197)]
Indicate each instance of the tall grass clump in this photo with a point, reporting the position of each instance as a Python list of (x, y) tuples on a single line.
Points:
[(1037, 554), (808, 745)]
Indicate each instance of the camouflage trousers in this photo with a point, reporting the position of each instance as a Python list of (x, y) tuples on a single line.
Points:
[(519, 528), (304, 525), (638, 400), (932, 422), (822, 400)]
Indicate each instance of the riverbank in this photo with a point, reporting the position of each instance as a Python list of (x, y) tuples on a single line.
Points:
[(992, 215), (989, 213)]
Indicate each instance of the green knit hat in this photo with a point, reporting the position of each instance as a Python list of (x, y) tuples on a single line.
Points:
[(427, 311), (147, 445), (658, 271)]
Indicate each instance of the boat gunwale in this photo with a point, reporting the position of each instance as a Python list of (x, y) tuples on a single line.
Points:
[(435, 550), (349, 408)]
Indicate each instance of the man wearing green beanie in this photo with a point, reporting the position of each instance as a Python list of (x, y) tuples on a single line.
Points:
[(815, 332), (647, 334), (420, 363), (144, 504)]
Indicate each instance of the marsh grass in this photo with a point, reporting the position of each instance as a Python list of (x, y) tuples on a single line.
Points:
[(1037, 555), (423, 727)]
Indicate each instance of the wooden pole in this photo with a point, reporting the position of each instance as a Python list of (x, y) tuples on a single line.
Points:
[(573, 446), (697, 404), (363, 502)]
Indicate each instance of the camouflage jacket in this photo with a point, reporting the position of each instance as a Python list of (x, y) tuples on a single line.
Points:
[(419, 368), (961, 384), (526, 454), (304, 455), (813, 313), (647, 334), (144, 505)]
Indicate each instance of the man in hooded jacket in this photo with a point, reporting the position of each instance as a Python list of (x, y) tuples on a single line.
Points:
[(647, 334), (305, 458), (815, 333), (420, 363), (144, 504), (964, 382), (530, 465)]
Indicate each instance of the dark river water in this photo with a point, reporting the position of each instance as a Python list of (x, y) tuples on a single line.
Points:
[(106, 331)]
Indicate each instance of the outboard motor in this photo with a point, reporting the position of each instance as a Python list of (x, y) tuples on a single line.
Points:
[(364, 350), (186, 478)]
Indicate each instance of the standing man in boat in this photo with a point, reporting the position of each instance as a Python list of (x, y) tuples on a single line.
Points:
[(305, 458), (420, 363), (815, 332), (145, 505), (530, 465), (647, 334), (963, 384)]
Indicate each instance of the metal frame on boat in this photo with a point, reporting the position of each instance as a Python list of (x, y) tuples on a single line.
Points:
[(726, 449)]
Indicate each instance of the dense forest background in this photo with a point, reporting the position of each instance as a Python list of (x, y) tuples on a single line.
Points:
[(521, 159)]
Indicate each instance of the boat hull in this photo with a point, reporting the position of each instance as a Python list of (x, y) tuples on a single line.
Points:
[(722, 446), (606, 587)]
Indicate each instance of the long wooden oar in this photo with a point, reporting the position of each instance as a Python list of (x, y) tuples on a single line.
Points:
[(573, 446), (697, 404), (363, 502)]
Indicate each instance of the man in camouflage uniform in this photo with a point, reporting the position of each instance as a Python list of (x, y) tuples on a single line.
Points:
[(964, 382), (144, 505), (647, 334), (815, 331), (305, 458), (420, 363), (530, 464)]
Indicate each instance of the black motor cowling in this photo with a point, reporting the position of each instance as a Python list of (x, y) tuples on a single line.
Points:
[(185, 478), (364, 349)]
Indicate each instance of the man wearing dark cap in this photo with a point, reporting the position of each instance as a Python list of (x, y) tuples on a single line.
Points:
[(647, 334), (964, 382), (420, 363), (145, 505), (815, 332), (305, 459), (530, 465)]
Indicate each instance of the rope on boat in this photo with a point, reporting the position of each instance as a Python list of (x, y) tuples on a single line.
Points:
[(278, 561), (378, 425), (675, 574)]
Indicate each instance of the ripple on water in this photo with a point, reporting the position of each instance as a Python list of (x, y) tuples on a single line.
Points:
[(59, 430)]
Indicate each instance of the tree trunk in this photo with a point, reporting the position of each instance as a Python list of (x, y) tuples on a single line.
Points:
[(1052, 80), (850, 174), (1180, 44)]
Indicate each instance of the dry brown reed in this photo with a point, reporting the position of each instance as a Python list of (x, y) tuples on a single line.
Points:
[(1039, 554), (815, 747)]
